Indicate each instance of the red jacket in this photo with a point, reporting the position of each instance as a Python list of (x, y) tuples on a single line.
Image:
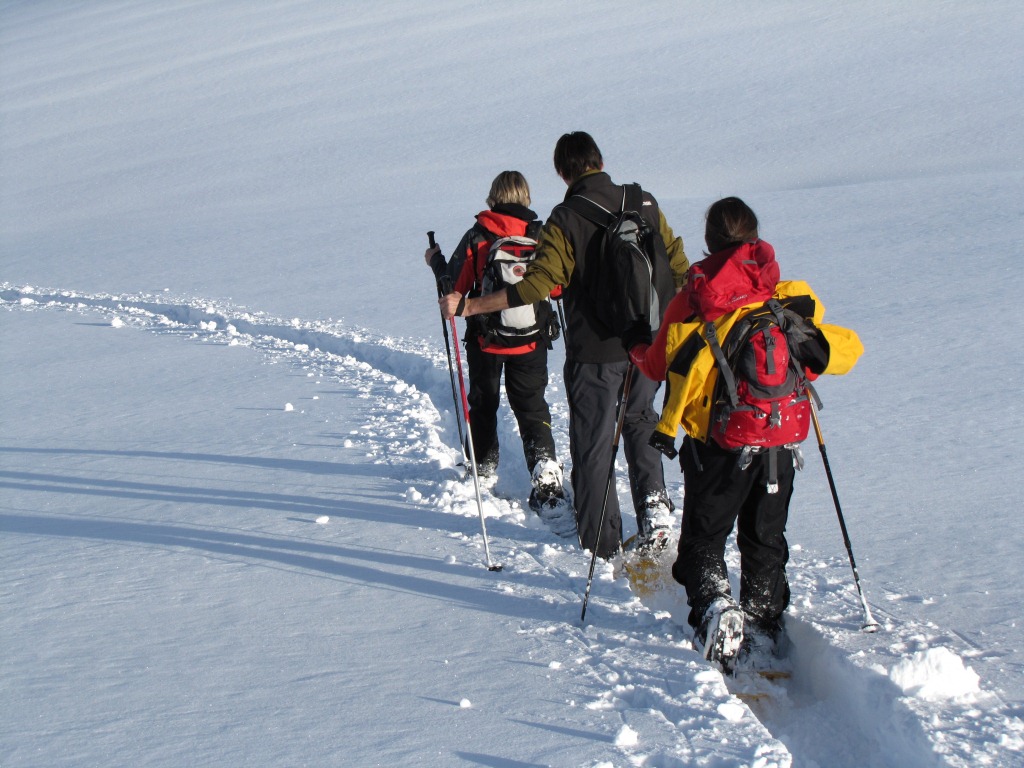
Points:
[(470, 258), (476, 244)]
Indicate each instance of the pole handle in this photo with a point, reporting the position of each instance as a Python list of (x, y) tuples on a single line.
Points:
[(444, 283)]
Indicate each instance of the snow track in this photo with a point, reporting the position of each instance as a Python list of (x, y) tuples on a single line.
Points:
[(854, 700)]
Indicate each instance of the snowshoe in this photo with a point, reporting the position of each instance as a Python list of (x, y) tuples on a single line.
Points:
[(642, 562), (762, 668)]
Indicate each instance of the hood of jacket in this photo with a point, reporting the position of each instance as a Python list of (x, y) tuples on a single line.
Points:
[(731, 278)]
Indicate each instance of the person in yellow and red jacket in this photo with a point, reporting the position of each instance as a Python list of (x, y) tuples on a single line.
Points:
[(719, 491), (523, 358)]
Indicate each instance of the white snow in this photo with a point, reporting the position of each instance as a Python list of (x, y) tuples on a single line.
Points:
[(626, 737), (937, 673), (243, 191)]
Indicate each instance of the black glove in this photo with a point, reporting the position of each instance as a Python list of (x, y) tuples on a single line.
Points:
[(663, 443), (638, 333), (438, 266)]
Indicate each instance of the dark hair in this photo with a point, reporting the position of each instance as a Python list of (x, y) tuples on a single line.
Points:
[(729, 222), (575, 154)]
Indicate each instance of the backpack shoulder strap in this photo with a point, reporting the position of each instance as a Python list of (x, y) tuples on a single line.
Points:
[(589, 210), (711, 337), (632, 197)]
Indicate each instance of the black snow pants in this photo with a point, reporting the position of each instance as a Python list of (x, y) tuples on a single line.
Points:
[(593, 391), (718, 494), (526, 379)]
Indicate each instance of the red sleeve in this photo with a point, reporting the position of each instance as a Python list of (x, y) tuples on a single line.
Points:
[(467, 276), (651, 359)]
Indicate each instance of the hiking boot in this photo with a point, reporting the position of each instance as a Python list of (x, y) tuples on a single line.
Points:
[(761, 655), (655, 523), (487, 465), (762, 644), (547, 485), (720, 633)]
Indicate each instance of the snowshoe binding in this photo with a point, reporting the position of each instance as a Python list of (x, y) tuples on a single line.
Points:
[(720, 634), (655, 523), (549, 501)]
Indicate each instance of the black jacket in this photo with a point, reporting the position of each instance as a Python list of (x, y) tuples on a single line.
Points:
[(568, 240)]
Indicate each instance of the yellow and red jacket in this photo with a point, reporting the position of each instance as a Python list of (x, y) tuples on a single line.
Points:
[(682, 358)]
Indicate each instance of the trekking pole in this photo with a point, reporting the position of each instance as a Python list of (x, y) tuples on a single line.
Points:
[(446, 288), (448, 349), (620, 417), (565, 340), (870, 625)]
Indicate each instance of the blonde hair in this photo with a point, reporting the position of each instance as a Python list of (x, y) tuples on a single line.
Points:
[(509, 187)]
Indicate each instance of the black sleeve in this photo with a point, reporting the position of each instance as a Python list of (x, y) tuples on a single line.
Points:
[(813, 352)]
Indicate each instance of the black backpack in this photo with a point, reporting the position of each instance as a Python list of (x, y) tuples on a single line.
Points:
[(631, 281)]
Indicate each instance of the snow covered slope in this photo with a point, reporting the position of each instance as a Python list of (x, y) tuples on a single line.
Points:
[(280, 561)]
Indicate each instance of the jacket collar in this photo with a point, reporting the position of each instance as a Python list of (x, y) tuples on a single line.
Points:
[(589, 180), (506, 220)]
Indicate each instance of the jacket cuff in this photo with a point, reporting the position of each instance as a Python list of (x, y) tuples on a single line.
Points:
[(666, 444), (638, 355)]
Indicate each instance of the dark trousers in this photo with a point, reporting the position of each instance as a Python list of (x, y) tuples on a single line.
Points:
[(718, 495), (526, 378), (593, 390)]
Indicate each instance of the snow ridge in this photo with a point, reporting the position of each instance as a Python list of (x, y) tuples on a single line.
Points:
[(901, 697)]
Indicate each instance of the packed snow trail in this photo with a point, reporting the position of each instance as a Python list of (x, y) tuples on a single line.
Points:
[(900, 698)]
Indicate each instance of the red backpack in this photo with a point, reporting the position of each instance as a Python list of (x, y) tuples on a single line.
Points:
[(762, 399)]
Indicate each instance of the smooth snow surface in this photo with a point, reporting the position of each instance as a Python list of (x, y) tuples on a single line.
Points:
[(234, 529)]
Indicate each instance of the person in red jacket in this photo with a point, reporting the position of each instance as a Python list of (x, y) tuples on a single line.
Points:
[(523, 359), (726, 487)]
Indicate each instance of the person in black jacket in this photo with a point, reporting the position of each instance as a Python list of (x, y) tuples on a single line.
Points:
[(596, 362), (523, 358)]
